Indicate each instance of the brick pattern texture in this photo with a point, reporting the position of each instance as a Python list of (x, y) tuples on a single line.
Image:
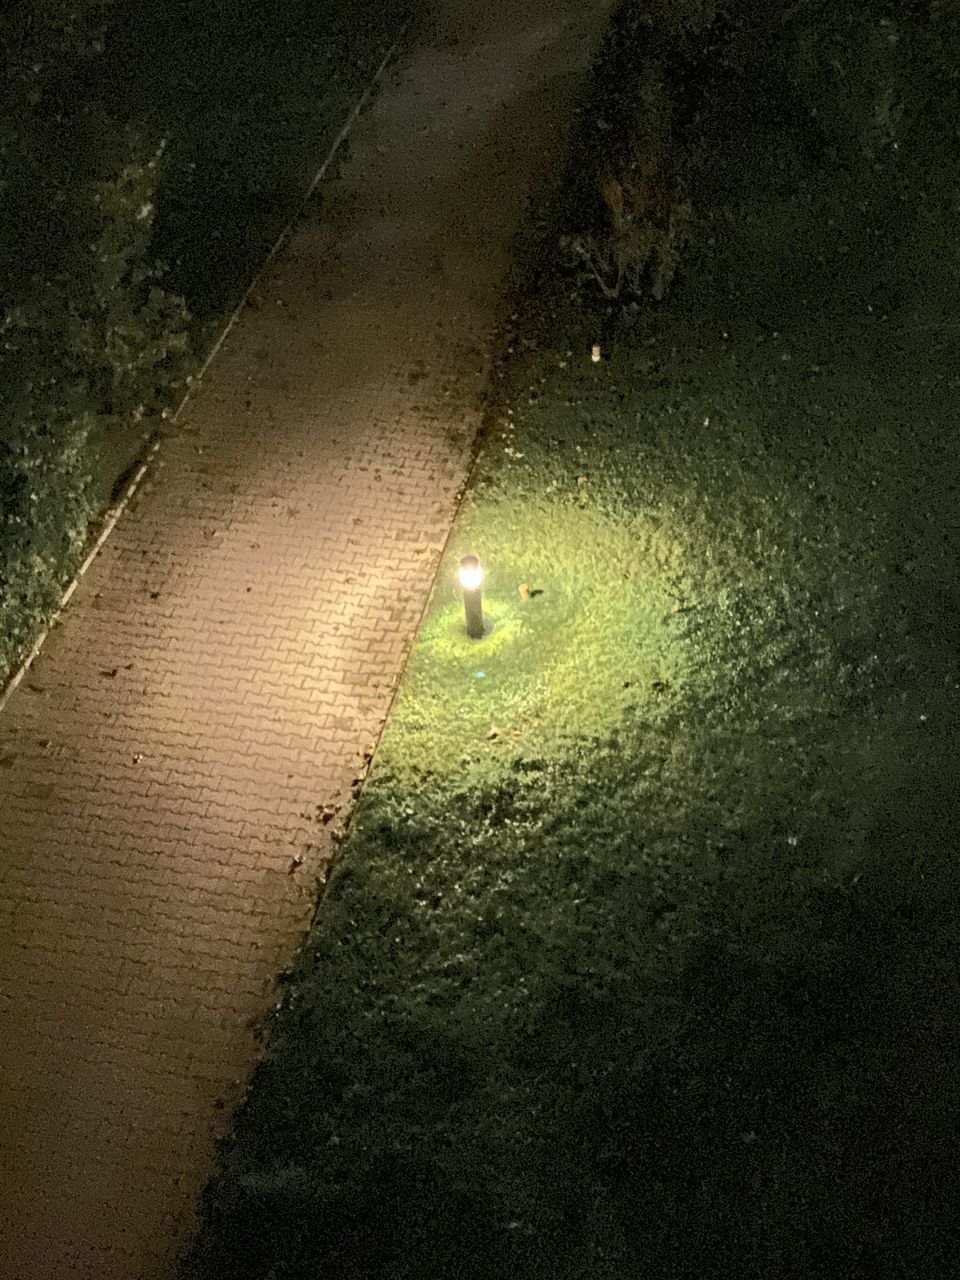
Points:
[(230, 656)]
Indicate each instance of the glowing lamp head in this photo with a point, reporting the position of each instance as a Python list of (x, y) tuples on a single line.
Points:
[(471, 573)]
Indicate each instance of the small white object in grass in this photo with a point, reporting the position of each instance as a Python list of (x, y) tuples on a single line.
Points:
[(706, 422), (595, 353)]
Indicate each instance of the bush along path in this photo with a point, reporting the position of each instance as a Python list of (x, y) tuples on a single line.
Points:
[(640, 958), (173, 766)]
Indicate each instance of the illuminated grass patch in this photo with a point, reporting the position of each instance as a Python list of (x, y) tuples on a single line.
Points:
[(590, 635)]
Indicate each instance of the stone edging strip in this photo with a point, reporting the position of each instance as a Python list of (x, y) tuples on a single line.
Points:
[(114, 513)]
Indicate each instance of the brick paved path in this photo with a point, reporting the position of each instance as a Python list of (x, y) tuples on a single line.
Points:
[(231, 654)]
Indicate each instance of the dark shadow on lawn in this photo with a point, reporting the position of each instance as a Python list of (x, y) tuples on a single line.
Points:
[(786, 1105), (784, 1108)]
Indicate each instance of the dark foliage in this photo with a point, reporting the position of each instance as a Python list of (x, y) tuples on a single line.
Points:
[(89, 335)]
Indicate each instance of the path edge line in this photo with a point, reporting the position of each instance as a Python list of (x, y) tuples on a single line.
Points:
[(341, 838)]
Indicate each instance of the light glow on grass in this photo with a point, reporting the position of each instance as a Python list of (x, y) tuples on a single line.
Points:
[(595, 617)]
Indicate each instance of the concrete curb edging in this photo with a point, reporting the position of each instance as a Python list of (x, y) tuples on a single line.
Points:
[(113, 513)]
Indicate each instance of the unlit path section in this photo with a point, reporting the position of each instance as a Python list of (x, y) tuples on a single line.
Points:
[(231, 654)]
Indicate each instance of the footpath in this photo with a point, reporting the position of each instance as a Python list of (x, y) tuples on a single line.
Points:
[(217, 682)]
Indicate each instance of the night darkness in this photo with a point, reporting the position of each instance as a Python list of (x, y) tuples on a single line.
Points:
[(478, 640)]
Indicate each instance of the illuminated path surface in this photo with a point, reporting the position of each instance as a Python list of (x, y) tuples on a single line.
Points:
[(233, 651)]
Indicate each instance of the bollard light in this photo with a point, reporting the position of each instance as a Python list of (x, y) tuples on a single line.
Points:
[(471, 580)]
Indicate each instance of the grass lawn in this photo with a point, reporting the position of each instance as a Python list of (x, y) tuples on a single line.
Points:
[(640, 958)]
